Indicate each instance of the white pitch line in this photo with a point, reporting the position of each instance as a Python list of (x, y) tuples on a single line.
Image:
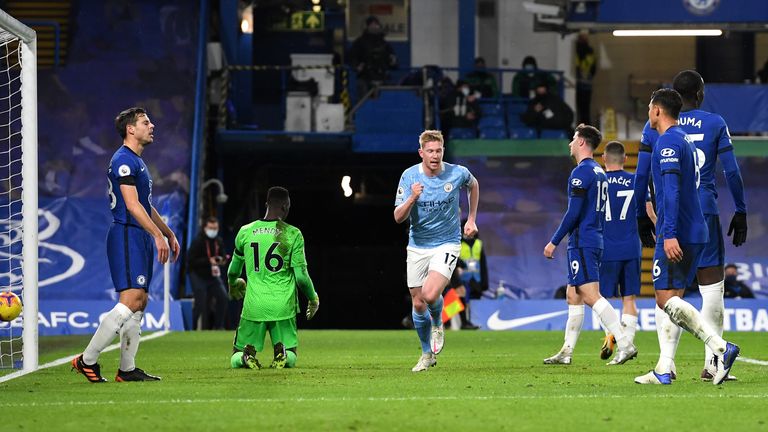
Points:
[(67, 359), (752, 361), (377, 399)]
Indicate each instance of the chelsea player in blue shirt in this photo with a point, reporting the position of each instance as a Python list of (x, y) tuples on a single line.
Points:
[(583, 223), (620, 267), (712, 140), (428, 195), (681, 235), (136, 226)]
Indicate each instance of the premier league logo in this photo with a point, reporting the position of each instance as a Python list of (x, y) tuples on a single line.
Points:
[(701, 7)]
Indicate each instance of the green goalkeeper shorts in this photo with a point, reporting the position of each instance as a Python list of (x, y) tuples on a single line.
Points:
[(253, 333)]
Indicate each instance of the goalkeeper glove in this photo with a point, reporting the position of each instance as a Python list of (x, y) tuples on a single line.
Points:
[(312, 307), (646, 230), (237, 289), (738, 228)]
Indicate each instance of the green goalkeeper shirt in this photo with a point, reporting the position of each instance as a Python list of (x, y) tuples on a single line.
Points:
[(272, 251)]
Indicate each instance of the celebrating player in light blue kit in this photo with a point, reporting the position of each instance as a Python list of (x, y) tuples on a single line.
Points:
[(583, 223), (620, 267), (428, 194), (136, 226), (681, 234), (712, 140)]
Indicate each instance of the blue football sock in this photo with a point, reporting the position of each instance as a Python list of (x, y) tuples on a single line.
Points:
[(436, 311), (423, 325)]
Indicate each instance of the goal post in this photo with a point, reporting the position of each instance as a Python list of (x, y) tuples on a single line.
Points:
[(19, 48)]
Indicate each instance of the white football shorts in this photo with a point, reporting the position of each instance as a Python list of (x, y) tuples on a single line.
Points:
[(420, 262)]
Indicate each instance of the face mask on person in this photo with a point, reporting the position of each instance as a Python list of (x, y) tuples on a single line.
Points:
[(730, 279), (211, 233), (529, 67), (465, 91)]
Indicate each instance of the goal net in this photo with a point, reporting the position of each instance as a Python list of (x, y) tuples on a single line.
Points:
[(18, 189)]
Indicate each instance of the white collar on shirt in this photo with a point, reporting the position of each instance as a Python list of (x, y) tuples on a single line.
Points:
[(442, 168)]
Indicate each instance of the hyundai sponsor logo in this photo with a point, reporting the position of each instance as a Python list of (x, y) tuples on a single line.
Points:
[(667, 152)]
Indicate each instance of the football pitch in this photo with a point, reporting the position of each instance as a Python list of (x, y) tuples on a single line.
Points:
[(362, 380)]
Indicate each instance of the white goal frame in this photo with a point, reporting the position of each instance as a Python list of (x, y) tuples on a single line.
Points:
[(28, 39)]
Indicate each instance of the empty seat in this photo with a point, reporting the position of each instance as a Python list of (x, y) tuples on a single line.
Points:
[(463, 133), (553, 134), (493, 133), (513, 119), (492, 109), (522, 132), (491, 122)]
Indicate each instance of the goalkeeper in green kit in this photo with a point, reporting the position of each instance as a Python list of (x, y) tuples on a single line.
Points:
[(273, 254)]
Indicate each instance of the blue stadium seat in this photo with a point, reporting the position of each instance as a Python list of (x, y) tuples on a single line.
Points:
[(513, 119), (491, 122), (516, 105), (492, 109), (493, 133), (553, 134), (463, 133), (522, 132)]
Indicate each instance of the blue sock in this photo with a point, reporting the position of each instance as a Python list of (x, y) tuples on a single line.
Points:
[(436, 311), (423, 326)]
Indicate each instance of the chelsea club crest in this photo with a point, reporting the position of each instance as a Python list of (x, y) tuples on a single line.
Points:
[(701, 7)]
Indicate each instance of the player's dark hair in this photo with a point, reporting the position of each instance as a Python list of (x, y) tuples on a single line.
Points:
[(615, 152), (591, 135), (669, 100), (127, 117), (688, 83), (211, 219), (277, 196), (730, 265)]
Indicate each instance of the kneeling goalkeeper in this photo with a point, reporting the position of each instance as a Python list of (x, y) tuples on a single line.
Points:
[(273, 254)]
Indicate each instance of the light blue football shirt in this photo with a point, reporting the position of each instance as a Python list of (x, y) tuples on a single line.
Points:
[(435, 216)]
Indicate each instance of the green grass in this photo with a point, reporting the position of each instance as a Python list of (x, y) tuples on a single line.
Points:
[(361, 380)]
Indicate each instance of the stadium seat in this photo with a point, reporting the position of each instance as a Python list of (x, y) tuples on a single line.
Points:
[(513, 119), (493, 133), (553, 134), (516, 105), (522, 132), (492, 109), (463, 133), (491, 122)]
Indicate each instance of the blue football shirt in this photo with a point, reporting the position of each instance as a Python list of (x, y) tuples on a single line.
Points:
[(620, 239), (126, 167), (587, 198), (712, 139), (435, 216), (675, 178), (710, 135)]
